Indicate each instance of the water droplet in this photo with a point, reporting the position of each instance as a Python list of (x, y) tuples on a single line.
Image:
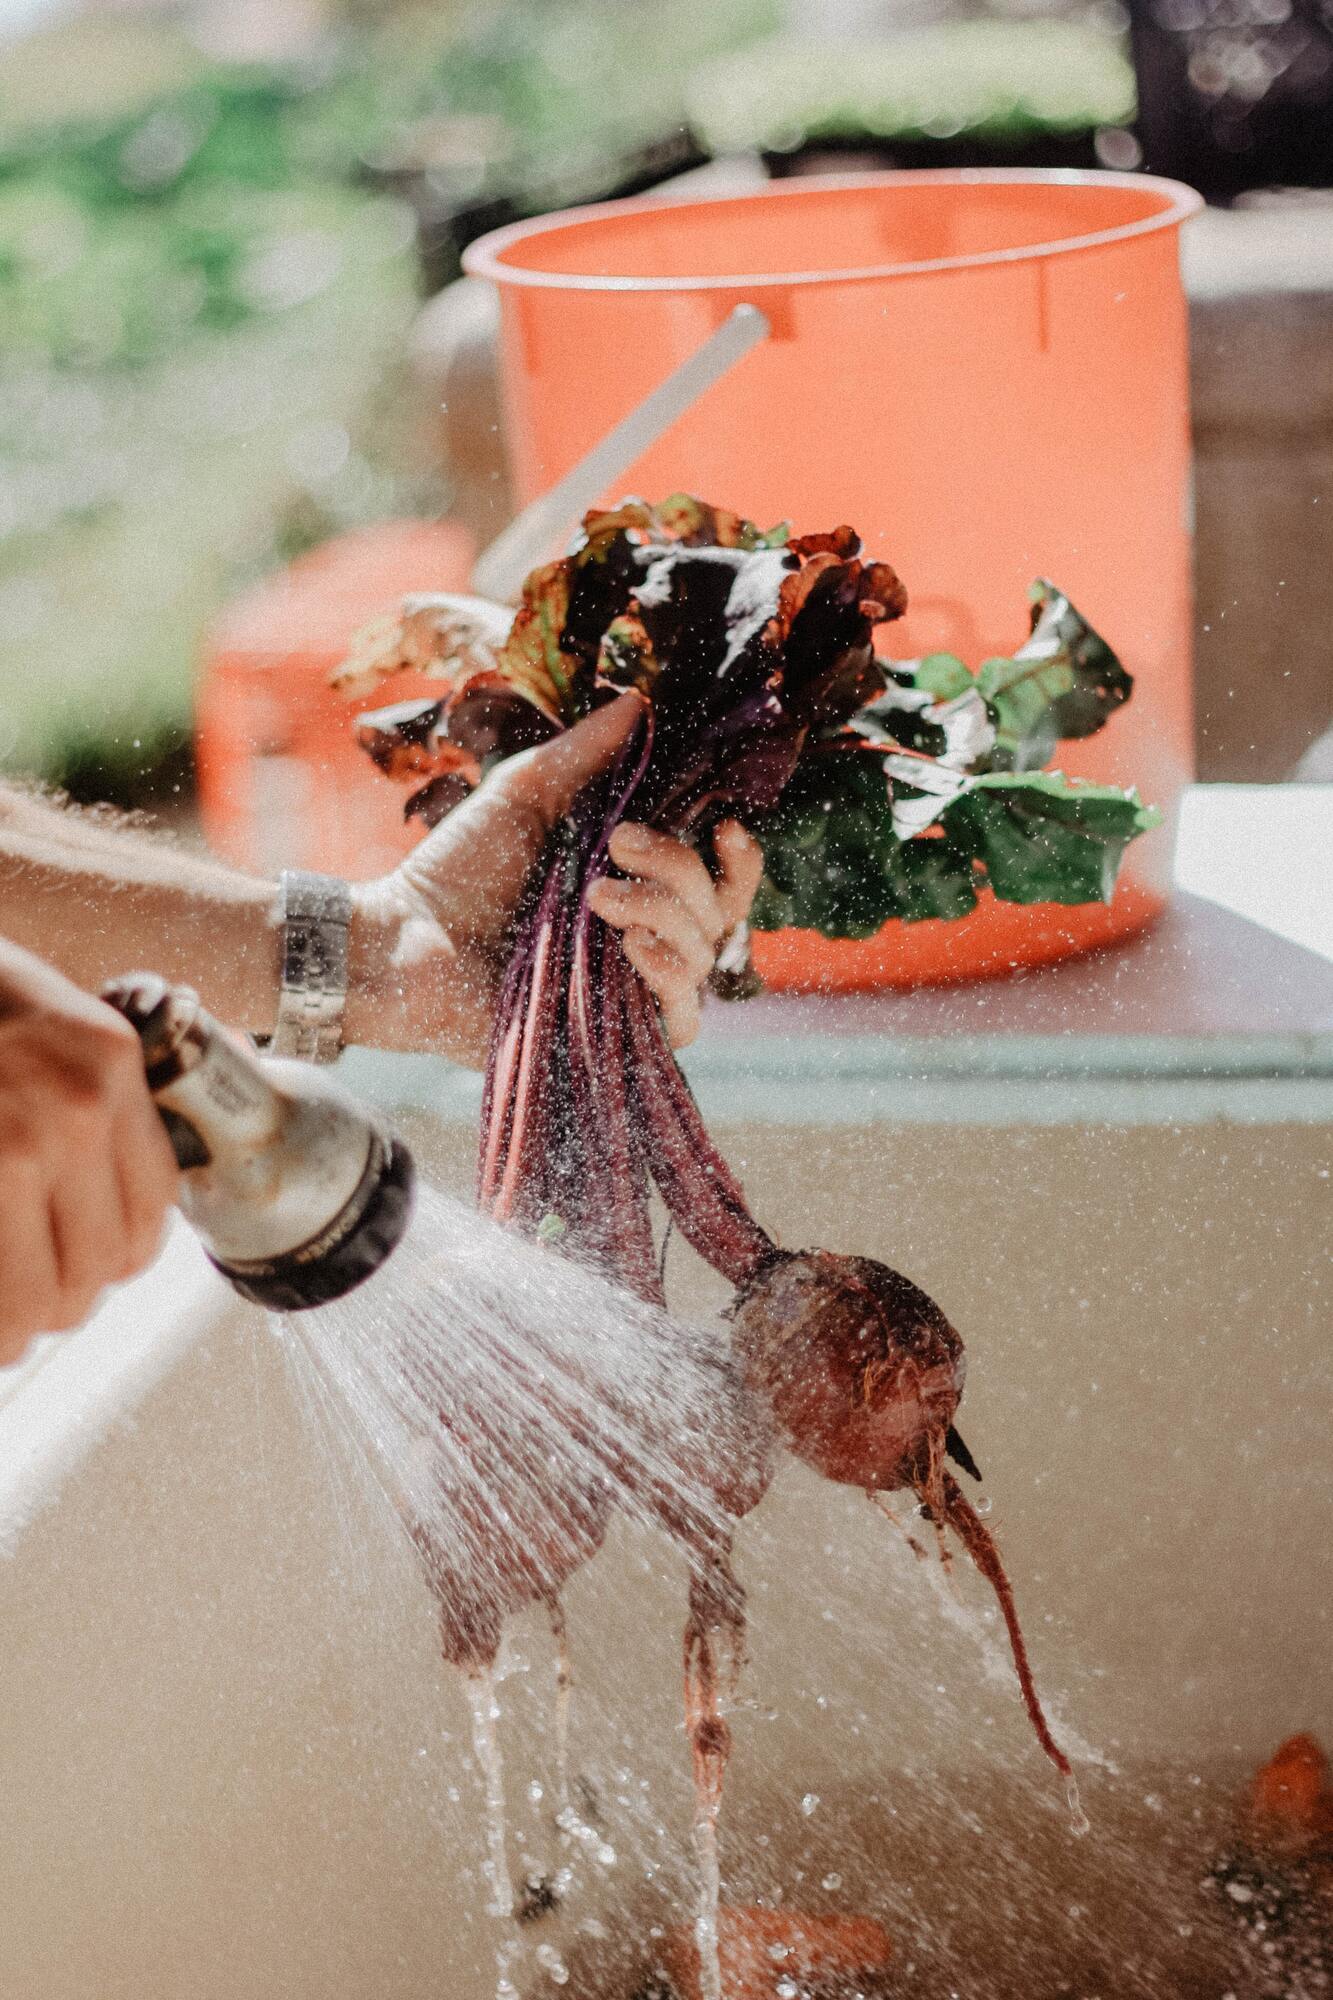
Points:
[(787, 1989), (833, 1881), (777, 1952), (1079, 1823), (810, 1804), (552, 1964), (535, 1792), (606, 1856)]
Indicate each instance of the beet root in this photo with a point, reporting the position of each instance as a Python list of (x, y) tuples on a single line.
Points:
[(863, 1375), (860, 1368)]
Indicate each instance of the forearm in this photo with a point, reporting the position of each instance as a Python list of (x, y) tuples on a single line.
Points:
[(95, 899)]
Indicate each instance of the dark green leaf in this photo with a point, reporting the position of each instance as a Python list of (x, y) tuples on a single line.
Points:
[(1045, 838), (833, 863), (1065, 682)]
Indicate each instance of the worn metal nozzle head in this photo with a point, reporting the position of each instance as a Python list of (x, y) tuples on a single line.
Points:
[(298, 1193)]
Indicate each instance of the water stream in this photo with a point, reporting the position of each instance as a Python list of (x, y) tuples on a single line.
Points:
[(509, 1402)]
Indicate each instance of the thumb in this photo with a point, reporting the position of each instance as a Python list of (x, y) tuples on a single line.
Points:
[(547, 778)]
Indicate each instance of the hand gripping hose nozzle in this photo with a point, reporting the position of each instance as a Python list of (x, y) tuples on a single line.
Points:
[(298, 1193)]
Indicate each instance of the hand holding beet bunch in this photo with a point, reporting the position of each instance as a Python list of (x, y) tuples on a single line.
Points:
[(876, 790)]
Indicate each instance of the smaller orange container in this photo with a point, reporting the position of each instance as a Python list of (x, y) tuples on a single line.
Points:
[(762, 1952), (282, 782)]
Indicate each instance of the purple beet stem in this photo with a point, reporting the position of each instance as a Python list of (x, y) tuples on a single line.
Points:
[(584, 1104)]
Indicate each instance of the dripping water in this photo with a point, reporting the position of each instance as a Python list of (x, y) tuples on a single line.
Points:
[(486, 1749), (709, 1900), (490, 1763), (564, 1696)]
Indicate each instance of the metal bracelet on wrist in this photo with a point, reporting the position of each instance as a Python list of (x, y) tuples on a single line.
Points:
[(316, 914)]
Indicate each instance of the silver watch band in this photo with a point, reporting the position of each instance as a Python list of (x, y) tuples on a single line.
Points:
[(316, 912)]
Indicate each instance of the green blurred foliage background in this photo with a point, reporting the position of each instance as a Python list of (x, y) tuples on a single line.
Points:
[(207, 278), (210, 265)]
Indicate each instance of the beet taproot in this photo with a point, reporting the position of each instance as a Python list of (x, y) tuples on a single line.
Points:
[(862, 1371), (863, 1374)]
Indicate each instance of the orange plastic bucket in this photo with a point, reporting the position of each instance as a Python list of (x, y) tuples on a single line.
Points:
[(985, 373)]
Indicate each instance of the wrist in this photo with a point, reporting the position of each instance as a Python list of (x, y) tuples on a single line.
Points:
[(407, 986), (373, 947)]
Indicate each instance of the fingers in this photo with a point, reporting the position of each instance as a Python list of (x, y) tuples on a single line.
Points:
[(87, 1169), (741, 864), (87, 1234), (108, 1218), (147, 1179), (647, 906), (673, 869), (672, 914), (143, 1165), (670, 981), (547, 778), (719, 903), (671, 894), (110, 1170)]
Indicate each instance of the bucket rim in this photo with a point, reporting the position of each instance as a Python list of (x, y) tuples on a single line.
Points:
[(485, 258)]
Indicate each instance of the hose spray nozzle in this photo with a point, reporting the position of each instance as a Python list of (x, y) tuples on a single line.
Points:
[(297, 1192)]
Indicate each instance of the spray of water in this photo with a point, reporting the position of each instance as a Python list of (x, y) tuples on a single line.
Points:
[(509, 1398), (509, 1401)]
